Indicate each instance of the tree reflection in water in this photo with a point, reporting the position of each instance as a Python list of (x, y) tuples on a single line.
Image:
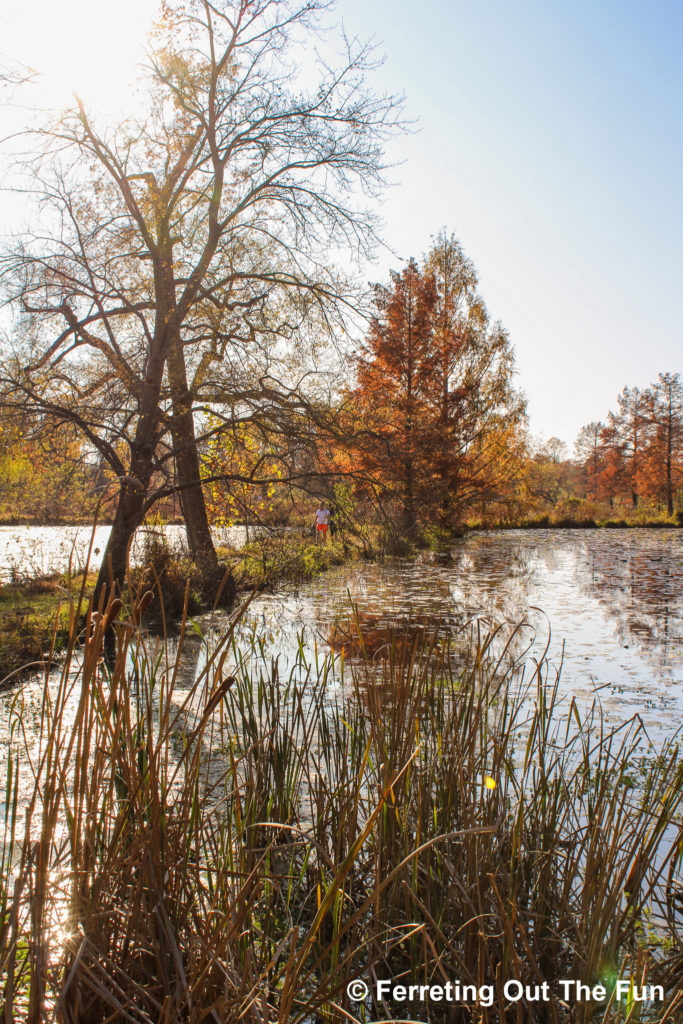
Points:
[(610, 601), (640, 586)]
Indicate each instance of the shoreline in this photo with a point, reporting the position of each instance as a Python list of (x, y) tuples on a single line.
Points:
[(543, 523), (34, 612), (581, 524)]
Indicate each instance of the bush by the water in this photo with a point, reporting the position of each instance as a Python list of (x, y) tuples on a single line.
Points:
[(242, 850), (173, 578), (281, 556)]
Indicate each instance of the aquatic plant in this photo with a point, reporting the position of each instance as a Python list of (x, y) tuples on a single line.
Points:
[(244, 846)]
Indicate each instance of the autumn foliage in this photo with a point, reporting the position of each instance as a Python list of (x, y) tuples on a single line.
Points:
[(441, 420), (637, 453), (46, 472), (427, 431)]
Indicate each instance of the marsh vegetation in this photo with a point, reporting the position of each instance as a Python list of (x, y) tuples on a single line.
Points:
[(245, 842)]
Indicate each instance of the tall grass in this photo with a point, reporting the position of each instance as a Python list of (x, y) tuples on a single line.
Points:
[(242, 847)]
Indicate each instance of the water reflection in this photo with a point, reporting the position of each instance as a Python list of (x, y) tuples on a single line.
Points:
[(29, 551), (641, 590), (609, 602)]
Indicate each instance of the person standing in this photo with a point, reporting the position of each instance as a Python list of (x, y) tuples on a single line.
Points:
[(322, 519)]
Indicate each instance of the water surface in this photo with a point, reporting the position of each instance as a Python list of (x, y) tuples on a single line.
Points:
[(608, 604), (30, 551)]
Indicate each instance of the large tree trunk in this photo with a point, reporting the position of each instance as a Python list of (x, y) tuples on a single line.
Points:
[(132, 505), (129, 515), (187, 466)]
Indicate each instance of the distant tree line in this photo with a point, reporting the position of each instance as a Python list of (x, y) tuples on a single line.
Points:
[(426, 429), (637, 451), (627, 467)]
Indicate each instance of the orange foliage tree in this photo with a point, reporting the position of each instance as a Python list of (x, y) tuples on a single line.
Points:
[(639, 451), (663, 455), (396, 376), (434, 392)]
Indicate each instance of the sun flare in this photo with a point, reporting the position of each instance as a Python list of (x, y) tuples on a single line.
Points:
[(80, 48)]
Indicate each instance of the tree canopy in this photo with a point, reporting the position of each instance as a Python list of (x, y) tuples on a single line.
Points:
[(435, 389), (182, 254)]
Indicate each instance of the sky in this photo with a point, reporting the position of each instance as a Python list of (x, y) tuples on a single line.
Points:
[(549, 139)]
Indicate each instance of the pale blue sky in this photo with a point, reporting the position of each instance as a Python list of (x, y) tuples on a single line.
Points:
[(550, 141)]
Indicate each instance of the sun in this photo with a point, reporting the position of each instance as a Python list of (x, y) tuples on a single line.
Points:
[(79, 47)]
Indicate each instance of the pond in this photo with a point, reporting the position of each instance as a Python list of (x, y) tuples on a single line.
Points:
[(29, 551), (607, 603)]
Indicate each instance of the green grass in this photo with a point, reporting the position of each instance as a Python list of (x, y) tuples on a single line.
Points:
[(285, 557), (35, 619)]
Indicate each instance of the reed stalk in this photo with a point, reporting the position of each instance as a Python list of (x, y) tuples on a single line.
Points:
[(241, 847)]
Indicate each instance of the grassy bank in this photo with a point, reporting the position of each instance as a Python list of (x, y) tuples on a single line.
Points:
[(286, 557), (35, 618), (244, 850), (34, 614), (582, 514), (568, 523)]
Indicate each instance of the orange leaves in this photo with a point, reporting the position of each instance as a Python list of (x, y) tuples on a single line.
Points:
[(433, 387)]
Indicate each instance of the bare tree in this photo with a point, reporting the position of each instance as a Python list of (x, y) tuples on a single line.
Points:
[(588, 449), (186, 248)]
